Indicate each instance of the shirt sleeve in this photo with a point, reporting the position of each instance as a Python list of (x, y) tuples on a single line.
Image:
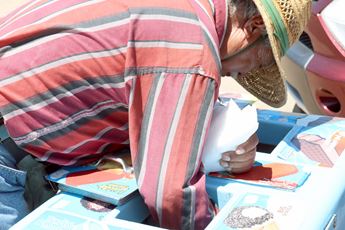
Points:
[(168, 118)]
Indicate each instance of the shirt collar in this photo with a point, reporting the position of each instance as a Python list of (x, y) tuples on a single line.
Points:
[(221, 14)]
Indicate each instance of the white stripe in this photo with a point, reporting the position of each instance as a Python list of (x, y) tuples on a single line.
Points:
[(123, 127), (203, 134), (55, 15), (99, 150), (168, 146), (41, 41), (8, 21), (206, 12), (96, 109), (58, 97), (165, 44), (226, 22), (162, 17), (148, 131), (206, 30), (76, 159), (125, 142), (212, 6), (72, 148), (60, 62), (97, 29), (193, 199), (211, 38), (94, 138), (132, 89)]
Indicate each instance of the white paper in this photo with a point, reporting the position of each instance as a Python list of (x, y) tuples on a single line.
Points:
[(230, 127)]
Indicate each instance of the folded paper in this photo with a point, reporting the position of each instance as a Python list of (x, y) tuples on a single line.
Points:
[(230, 126)]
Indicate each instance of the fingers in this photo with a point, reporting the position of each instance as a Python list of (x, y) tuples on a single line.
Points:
[(234, 157), (239, 167), (242, 159), (247, 146), (243, 164), (235, 163)]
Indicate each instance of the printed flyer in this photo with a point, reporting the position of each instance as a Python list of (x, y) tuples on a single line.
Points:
[(270, 174), (320, 144), (70, 211), (258, 211), (112, 185)]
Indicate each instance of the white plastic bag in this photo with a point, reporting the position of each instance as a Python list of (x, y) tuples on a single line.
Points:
[(230, 127)]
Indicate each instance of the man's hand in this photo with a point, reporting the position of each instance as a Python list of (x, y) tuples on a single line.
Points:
[(242, 159)]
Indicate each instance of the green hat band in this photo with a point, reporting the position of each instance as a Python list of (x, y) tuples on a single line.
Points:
[(279, 27)]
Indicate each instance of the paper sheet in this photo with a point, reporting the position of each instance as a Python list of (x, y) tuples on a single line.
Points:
[(230, 127)]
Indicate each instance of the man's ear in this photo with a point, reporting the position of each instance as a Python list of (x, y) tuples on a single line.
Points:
[(254, 27)]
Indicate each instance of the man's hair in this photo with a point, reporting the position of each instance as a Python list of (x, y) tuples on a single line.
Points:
[(249, 10), (249, 7)]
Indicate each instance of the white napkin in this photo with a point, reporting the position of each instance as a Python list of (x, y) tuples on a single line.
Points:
[(230, 127)]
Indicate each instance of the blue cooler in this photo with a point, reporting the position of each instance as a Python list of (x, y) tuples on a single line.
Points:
[(316, 202)]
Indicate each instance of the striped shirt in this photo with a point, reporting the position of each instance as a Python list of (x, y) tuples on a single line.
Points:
[(84, 78)]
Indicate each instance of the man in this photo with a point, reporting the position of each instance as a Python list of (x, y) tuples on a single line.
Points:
[(80, 79)]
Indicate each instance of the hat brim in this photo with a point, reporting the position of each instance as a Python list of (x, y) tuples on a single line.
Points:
[(267, 84)]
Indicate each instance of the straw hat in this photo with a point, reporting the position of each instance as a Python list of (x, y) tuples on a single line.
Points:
[(285, 21)]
